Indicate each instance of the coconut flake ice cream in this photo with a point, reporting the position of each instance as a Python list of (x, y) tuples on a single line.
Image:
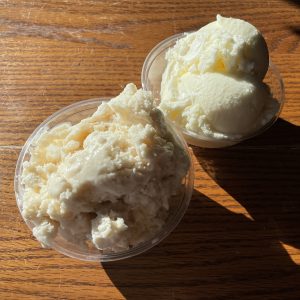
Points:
[(212, 84), (109, 180)]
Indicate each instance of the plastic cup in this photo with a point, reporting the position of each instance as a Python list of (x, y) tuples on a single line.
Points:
[(73, 114), (152, 71)]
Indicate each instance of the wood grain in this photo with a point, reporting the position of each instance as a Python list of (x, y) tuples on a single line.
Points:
[(240, 238)]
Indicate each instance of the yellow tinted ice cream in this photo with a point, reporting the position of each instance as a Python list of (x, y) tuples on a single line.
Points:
[(212, 83)]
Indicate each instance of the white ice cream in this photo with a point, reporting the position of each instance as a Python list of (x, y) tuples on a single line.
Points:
[(225, 103), (108, 179), (212, 83)]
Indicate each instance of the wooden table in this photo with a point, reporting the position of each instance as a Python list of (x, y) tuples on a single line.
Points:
[(240, 236)]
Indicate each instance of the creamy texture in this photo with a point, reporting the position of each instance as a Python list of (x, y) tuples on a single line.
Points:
[(107, 179), (226, 103), (212, 83)]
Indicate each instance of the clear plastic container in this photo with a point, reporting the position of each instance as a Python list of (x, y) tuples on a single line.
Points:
[(73, 114), (151, 76)]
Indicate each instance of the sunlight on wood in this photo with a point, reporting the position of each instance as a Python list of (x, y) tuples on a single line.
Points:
[(293, 252), (229, 203)]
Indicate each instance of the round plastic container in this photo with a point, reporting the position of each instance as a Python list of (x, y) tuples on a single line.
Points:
[(153, 68), (73, 114)]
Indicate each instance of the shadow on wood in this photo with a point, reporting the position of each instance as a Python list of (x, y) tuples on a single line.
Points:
[(213, 254), (263, 175)]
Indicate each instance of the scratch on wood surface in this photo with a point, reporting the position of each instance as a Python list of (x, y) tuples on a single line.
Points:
[(27, 14), (61, 33), (11, 147)]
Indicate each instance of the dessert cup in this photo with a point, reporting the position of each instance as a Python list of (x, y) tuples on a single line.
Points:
[(151, 77), (73, 114)]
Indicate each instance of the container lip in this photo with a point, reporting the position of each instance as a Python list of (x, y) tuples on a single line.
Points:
[(164, 45), (140, 248), (149, 58)]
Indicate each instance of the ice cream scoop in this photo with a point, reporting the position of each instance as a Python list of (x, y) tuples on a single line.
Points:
[(212, 83), (227, 45), (215, 104), (233, 46)]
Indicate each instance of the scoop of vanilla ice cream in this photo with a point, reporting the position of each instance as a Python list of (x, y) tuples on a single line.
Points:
[(218, 103), (212, 80), (108, 179), (238, 47), (226, 45)]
